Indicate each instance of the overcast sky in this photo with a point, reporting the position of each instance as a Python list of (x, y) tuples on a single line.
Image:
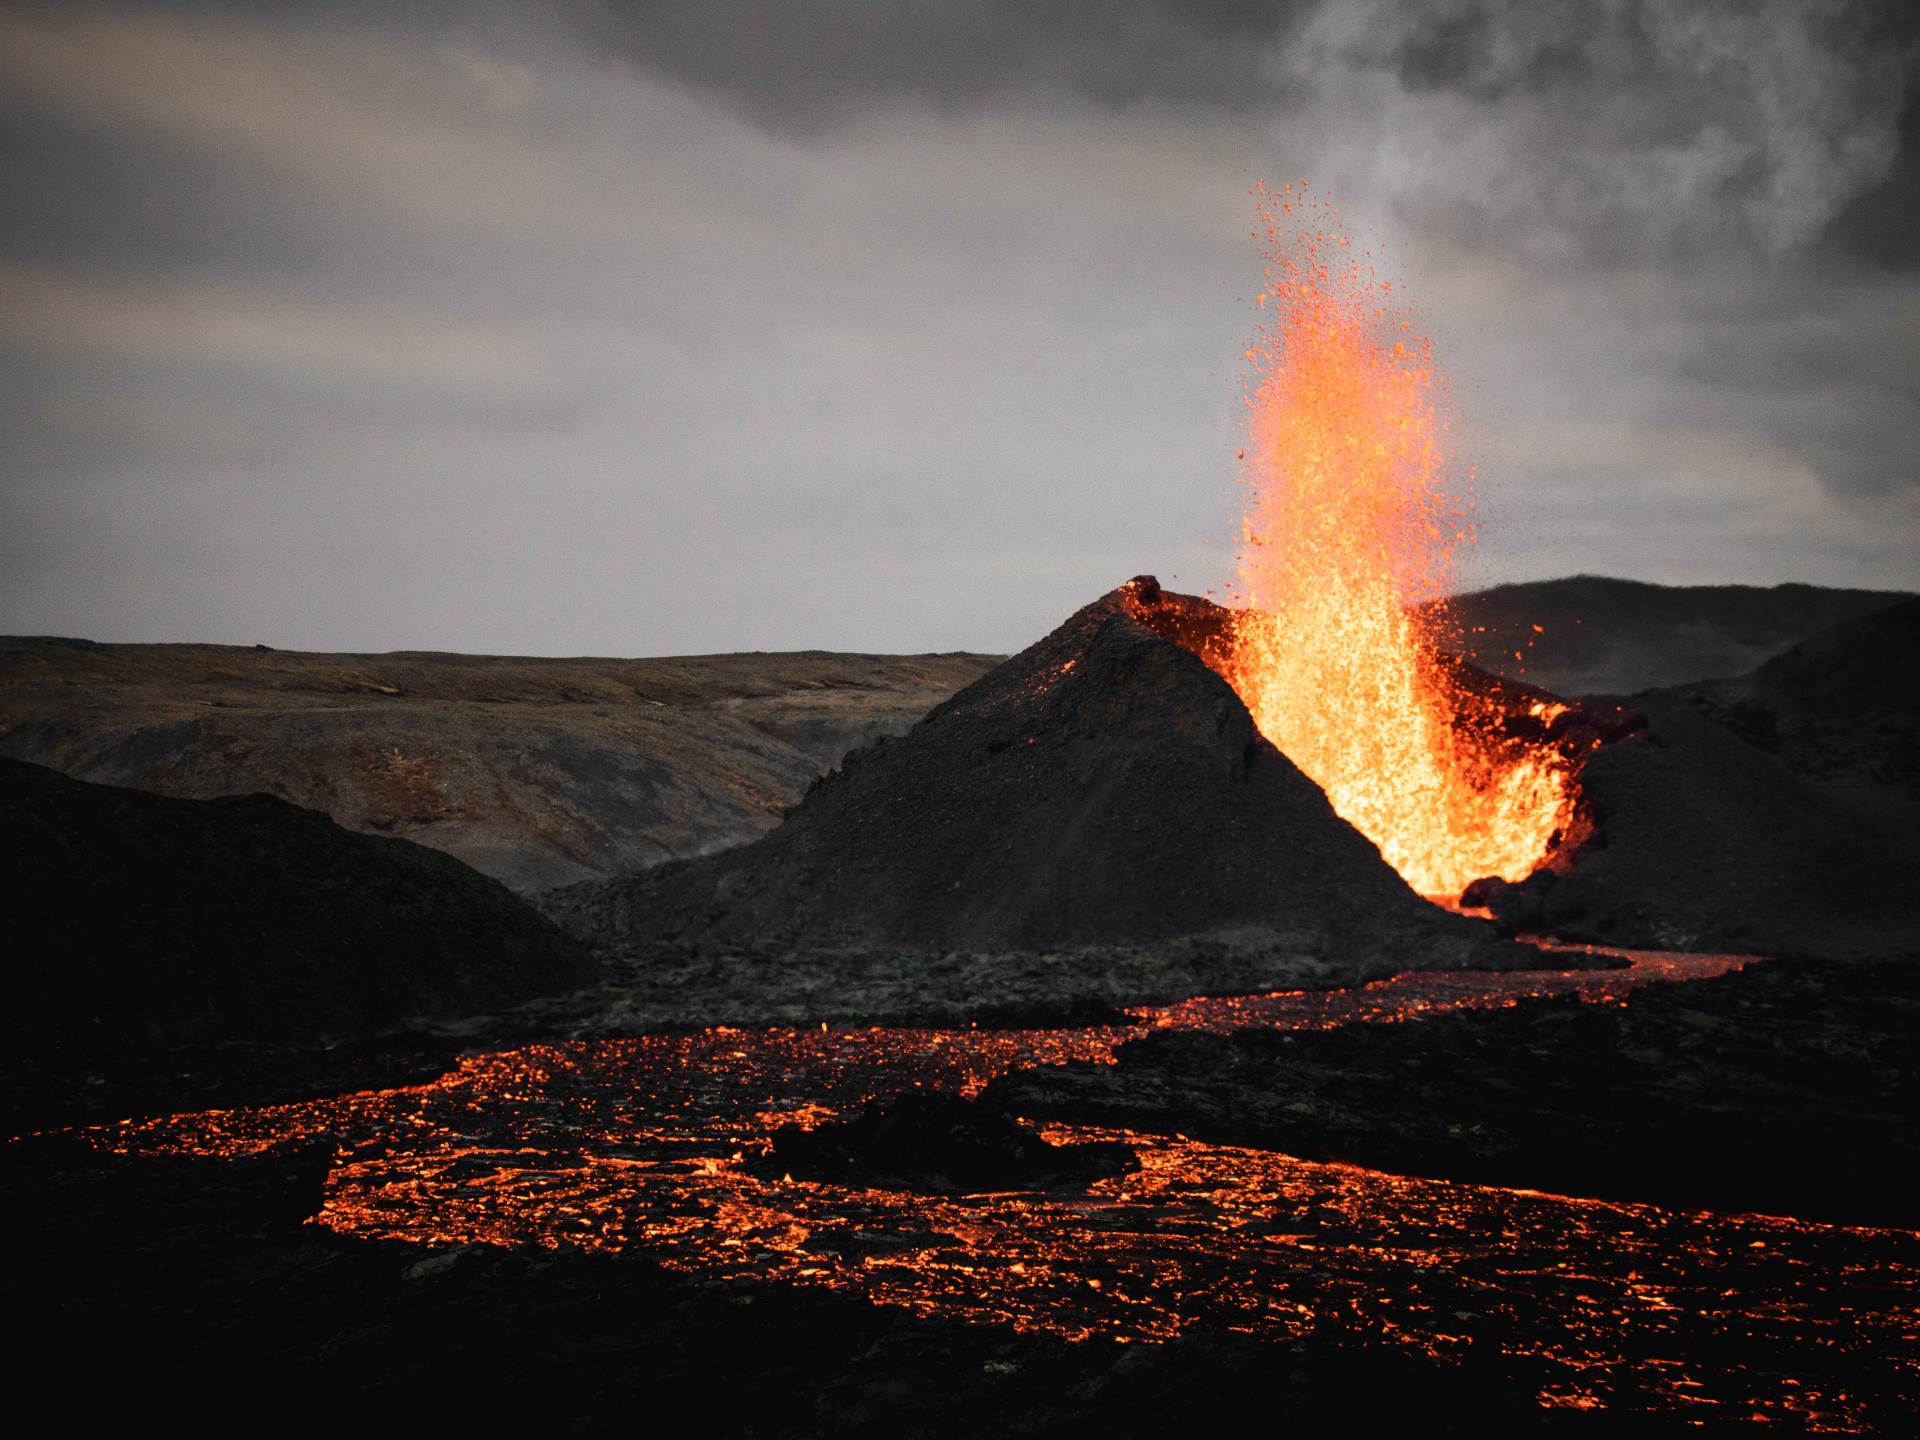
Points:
[(895, 325)]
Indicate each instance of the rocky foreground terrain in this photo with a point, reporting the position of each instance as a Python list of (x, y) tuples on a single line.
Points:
[(246, 926), (1788, 1088), (198, 1288), (534, 771), (146, 934)]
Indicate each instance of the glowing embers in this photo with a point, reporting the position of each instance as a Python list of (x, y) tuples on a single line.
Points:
[(621, 1144), (1351, 517)]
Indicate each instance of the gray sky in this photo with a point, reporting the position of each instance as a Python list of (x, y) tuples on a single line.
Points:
[(657, 328)]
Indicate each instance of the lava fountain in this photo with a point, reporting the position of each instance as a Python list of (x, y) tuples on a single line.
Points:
[(1352, 515)]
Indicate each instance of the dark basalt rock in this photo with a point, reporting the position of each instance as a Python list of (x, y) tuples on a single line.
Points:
[(1103, 787), (134, 923), (1519, 908), (941, 1142), (1790, 1088), (191, 1283)]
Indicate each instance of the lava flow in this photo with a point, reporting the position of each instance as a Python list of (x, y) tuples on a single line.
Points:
[(642, 1143), (1351, 518)]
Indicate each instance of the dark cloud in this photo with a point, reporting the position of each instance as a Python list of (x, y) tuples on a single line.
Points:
[(105, 196), (1490, 53), (811, 64), (675, 327), (1826, 373), (1496, 50), (1617, 131), (1882, 224), (1613, 129)]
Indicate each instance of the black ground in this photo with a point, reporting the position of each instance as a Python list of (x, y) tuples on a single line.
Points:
[(1598, 635), (1841, 709), (940, 1142), (157, 1293), (1788, 1088)]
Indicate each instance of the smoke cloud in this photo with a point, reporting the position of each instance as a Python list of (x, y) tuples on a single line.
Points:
[(907, 326)]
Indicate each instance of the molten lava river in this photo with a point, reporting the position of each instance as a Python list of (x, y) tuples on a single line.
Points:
[(642, 1143)]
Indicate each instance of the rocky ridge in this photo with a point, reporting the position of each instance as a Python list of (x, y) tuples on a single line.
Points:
[(535, 771)]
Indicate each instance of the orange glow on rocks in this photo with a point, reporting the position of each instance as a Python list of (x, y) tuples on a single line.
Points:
[(645, 1144), (1351, 516)]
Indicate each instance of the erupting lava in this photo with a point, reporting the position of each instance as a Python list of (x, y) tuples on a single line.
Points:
[(1350, 519)]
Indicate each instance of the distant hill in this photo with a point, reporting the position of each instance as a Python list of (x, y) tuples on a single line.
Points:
[(1841, 708), (543, 772), (534, 771), (1599, 636)]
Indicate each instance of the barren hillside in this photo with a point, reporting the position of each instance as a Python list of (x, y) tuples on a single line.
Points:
[(535, 771), (1599, 636)]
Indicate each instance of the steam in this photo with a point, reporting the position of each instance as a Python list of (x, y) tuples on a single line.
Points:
[(1606, 131)]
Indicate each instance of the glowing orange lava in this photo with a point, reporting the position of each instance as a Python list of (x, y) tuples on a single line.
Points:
[(1351, 517), (647, 1144)]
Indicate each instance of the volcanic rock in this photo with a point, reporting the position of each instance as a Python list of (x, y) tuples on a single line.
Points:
[(1104, 787), (134, 921), (1772, 814), (941, 1142), (1789, 1088), (154, 1271)]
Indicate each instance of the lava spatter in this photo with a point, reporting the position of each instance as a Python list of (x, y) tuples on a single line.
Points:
[(1353, 515)]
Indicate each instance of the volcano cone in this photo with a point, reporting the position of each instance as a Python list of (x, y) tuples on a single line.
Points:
[(1103, 787)]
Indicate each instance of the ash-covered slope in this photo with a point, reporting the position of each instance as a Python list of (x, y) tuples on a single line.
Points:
[(133, 922), (1602, 636), (1773, 813), (1841, 708), (1102, 788), (1702, 842)]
